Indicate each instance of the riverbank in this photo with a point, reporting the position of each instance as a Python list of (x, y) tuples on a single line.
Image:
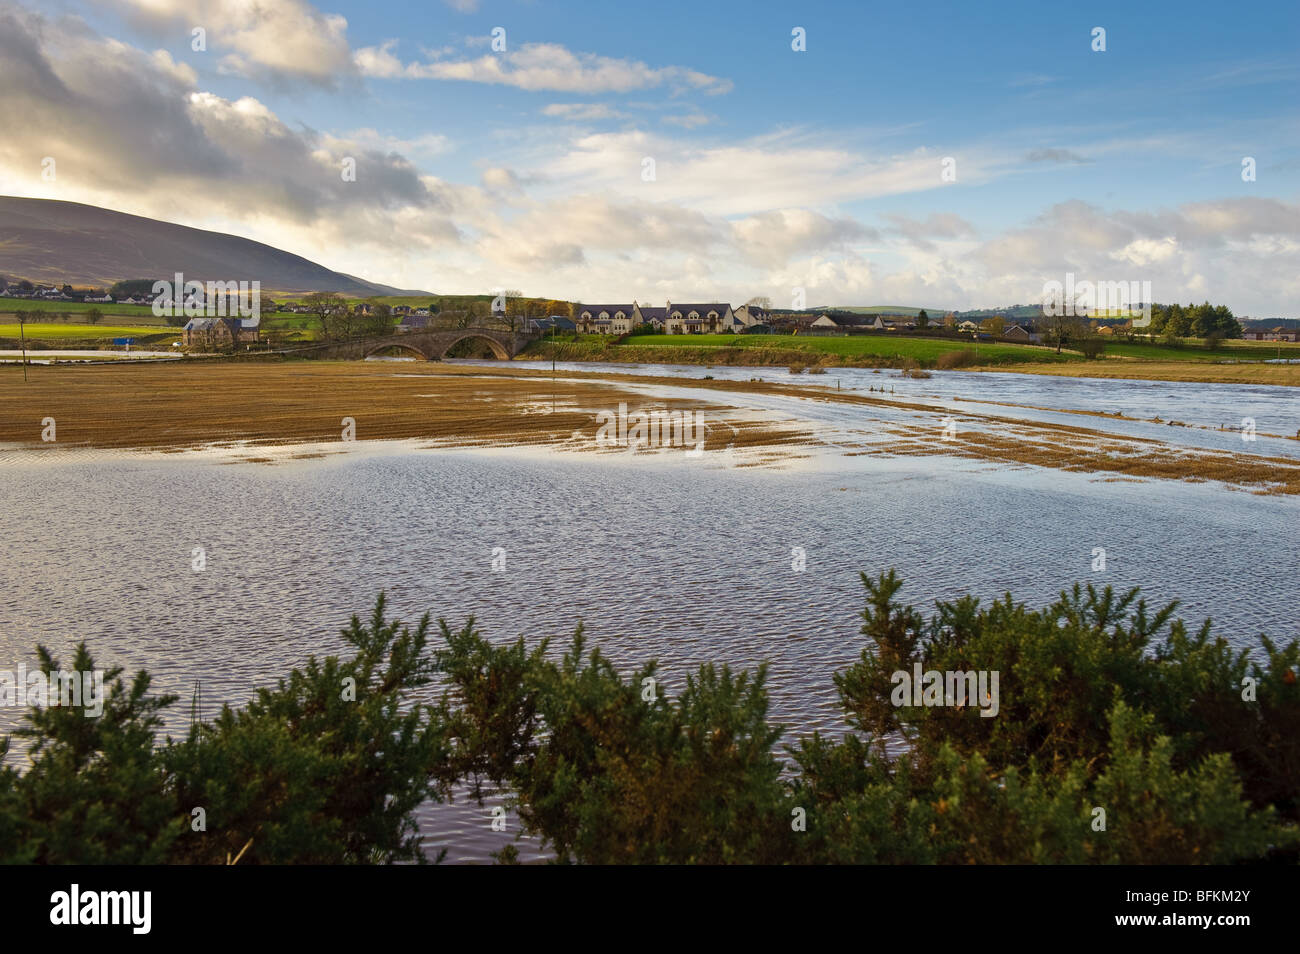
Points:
[(1227, 365), (1282, 375)]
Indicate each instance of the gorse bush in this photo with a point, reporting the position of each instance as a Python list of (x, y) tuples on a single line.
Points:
[(1119, 737)]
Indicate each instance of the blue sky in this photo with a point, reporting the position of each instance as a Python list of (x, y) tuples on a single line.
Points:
[(775, 170)]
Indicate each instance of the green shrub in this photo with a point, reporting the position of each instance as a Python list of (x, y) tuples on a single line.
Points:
[(1119, 737)]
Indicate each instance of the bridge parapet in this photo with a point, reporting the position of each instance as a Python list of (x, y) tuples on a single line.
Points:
[(431, 345)]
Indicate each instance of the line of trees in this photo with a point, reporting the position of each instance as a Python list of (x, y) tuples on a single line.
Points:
[(1121, 736), (1194, 321), (340, 318)]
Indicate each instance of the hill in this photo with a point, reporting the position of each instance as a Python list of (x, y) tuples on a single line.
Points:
[(45, 240), (907, 310)]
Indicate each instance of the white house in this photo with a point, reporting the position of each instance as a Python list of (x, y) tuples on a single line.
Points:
[(749, 315), (607, 319), (698, 319)]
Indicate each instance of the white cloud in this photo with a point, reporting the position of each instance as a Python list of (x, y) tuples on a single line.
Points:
[(730, 177), (582, 112), (688, 120), (269, 39), (541, 66), (203, 159)]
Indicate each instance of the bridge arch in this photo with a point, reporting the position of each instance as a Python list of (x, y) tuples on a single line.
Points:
[(397, 346), (499, 351)]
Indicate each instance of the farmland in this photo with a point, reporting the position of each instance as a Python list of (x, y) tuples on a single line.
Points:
[(56, 331), (921, 350), (856, 351), (142, 313)]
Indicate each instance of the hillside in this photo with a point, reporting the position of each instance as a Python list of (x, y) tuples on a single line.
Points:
[(44, 240)]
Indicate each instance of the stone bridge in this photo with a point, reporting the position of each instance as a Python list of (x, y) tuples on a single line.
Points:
[(430, 345)]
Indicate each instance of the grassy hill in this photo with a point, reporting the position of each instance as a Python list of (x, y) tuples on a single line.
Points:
[(44, 240)]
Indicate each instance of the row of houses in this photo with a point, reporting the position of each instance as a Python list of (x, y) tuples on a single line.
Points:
[(845, 323), (41, 292), (1277, 333), (720, 317), (696, 318), (53, 293)]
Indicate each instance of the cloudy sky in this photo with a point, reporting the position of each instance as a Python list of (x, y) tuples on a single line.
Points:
[(685, 150)]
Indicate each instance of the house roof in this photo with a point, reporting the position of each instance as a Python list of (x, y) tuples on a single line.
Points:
[(852, 321), (654, 313), (703, 309), (553, 321), (597, 309)]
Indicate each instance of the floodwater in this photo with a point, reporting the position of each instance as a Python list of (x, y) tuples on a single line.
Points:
[(687, 560)]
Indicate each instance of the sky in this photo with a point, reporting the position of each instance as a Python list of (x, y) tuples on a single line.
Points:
[(947, 156)]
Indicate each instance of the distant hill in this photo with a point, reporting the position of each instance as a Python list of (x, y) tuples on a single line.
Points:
[(45, 240), (882, 310)]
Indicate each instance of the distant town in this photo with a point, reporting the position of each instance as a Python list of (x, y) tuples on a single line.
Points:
[(216, 322)]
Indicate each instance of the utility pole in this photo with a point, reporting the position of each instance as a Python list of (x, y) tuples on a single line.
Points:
[(22, 334)]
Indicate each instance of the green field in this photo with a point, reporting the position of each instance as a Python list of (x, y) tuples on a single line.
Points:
[(143, 312), (899, 352), (1194, 350), (52, 331), (921, 350)]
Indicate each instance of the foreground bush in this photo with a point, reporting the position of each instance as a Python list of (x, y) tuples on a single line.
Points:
[(1119, 737)]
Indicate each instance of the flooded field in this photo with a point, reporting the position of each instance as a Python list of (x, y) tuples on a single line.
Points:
[(684, 558)]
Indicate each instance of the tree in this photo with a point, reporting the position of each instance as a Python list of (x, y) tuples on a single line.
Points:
[(94, 316), (1226, 324), (331, 312), (1057, 327), (922, 319), (1202, 321), (993, 326), (1179, 322), (378, 323)]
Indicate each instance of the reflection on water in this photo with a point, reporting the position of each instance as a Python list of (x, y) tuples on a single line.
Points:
[(662, 557)]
